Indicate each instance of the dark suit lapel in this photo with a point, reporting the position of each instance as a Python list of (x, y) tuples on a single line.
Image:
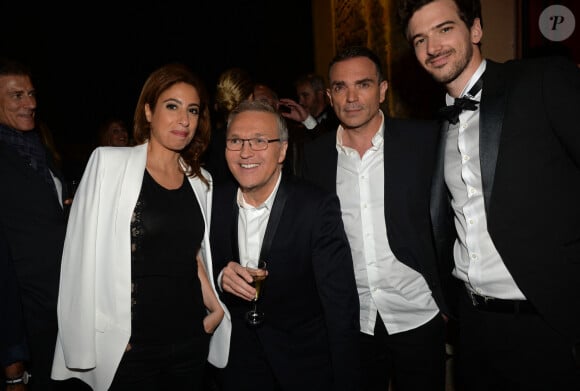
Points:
[(332, 168), (490, 125), (439, 197), (234, 229), (64, 188), (388, 132), (274, 219), (325, 160)]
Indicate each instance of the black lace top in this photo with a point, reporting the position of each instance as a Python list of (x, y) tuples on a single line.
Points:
[(166, 232)]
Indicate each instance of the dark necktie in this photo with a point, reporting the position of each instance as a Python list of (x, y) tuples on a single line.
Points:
[(451, 113)]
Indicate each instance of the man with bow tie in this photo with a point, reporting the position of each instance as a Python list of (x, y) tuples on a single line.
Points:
[(505, 201)]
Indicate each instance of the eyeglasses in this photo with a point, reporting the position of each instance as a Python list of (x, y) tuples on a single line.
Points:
[(256, 144)]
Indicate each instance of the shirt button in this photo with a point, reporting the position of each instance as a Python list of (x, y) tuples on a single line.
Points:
[(474, 257)]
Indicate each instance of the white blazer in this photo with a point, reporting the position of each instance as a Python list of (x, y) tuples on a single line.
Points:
[(94, 301)]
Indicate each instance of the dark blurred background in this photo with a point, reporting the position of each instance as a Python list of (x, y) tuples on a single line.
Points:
[(91, 59)]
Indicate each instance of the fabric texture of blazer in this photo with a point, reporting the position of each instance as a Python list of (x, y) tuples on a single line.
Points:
[(94, 305), (529, 141), (409, 156), (309, 297)]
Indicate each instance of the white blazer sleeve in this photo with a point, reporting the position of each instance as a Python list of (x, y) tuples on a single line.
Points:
[(76, 300)]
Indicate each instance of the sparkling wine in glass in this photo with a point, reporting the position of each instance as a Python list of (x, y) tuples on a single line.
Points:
[(254, 316)]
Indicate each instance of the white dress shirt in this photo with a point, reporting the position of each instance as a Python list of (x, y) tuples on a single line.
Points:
[(477, 262), (400, 294), (252, 223)]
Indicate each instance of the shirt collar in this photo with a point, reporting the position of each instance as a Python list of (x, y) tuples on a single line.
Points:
[(377, 139)]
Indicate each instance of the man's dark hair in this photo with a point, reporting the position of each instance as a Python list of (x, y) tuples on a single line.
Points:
[(12, 67), (315, 81), (469, 10), (358, 51)]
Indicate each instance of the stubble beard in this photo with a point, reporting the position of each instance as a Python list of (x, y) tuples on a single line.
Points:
[(456, 68)]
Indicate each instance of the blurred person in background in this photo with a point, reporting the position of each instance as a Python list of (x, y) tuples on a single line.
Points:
[(318, 115), (113, 132), (234, 85)]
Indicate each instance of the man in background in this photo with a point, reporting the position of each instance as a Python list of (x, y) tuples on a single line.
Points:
[(296, 130), (32, 224), (318, 116)]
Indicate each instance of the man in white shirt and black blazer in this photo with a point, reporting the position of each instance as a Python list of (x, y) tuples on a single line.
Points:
[(381, 169)]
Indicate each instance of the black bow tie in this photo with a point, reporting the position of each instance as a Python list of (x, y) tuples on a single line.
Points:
[(451, 113)]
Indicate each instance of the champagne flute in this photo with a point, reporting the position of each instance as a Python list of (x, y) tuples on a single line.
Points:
[(255, 317)]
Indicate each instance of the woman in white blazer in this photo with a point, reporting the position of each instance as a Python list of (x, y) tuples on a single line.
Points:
[(137, 307)]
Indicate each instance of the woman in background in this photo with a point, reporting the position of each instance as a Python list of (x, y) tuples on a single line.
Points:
[(113, 132), (137, 305), (234, 85)]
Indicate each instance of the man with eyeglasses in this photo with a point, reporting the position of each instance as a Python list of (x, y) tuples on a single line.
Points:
[(308, 338)]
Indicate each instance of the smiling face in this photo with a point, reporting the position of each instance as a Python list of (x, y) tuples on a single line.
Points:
[(175, 117), (356, 93), (17, 102), (444, 45), (256, 171)]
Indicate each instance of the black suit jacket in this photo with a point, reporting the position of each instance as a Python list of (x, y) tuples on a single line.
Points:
[(530, 170), (309, 297), (329, 123), (34, 227), (409, 156), (299, 136)]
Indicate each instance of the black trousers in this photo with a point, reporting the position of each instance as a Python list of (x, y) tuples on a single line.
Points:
[(160, 367), (511, 352), (41, 342), (413, 360), (251, 368)]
